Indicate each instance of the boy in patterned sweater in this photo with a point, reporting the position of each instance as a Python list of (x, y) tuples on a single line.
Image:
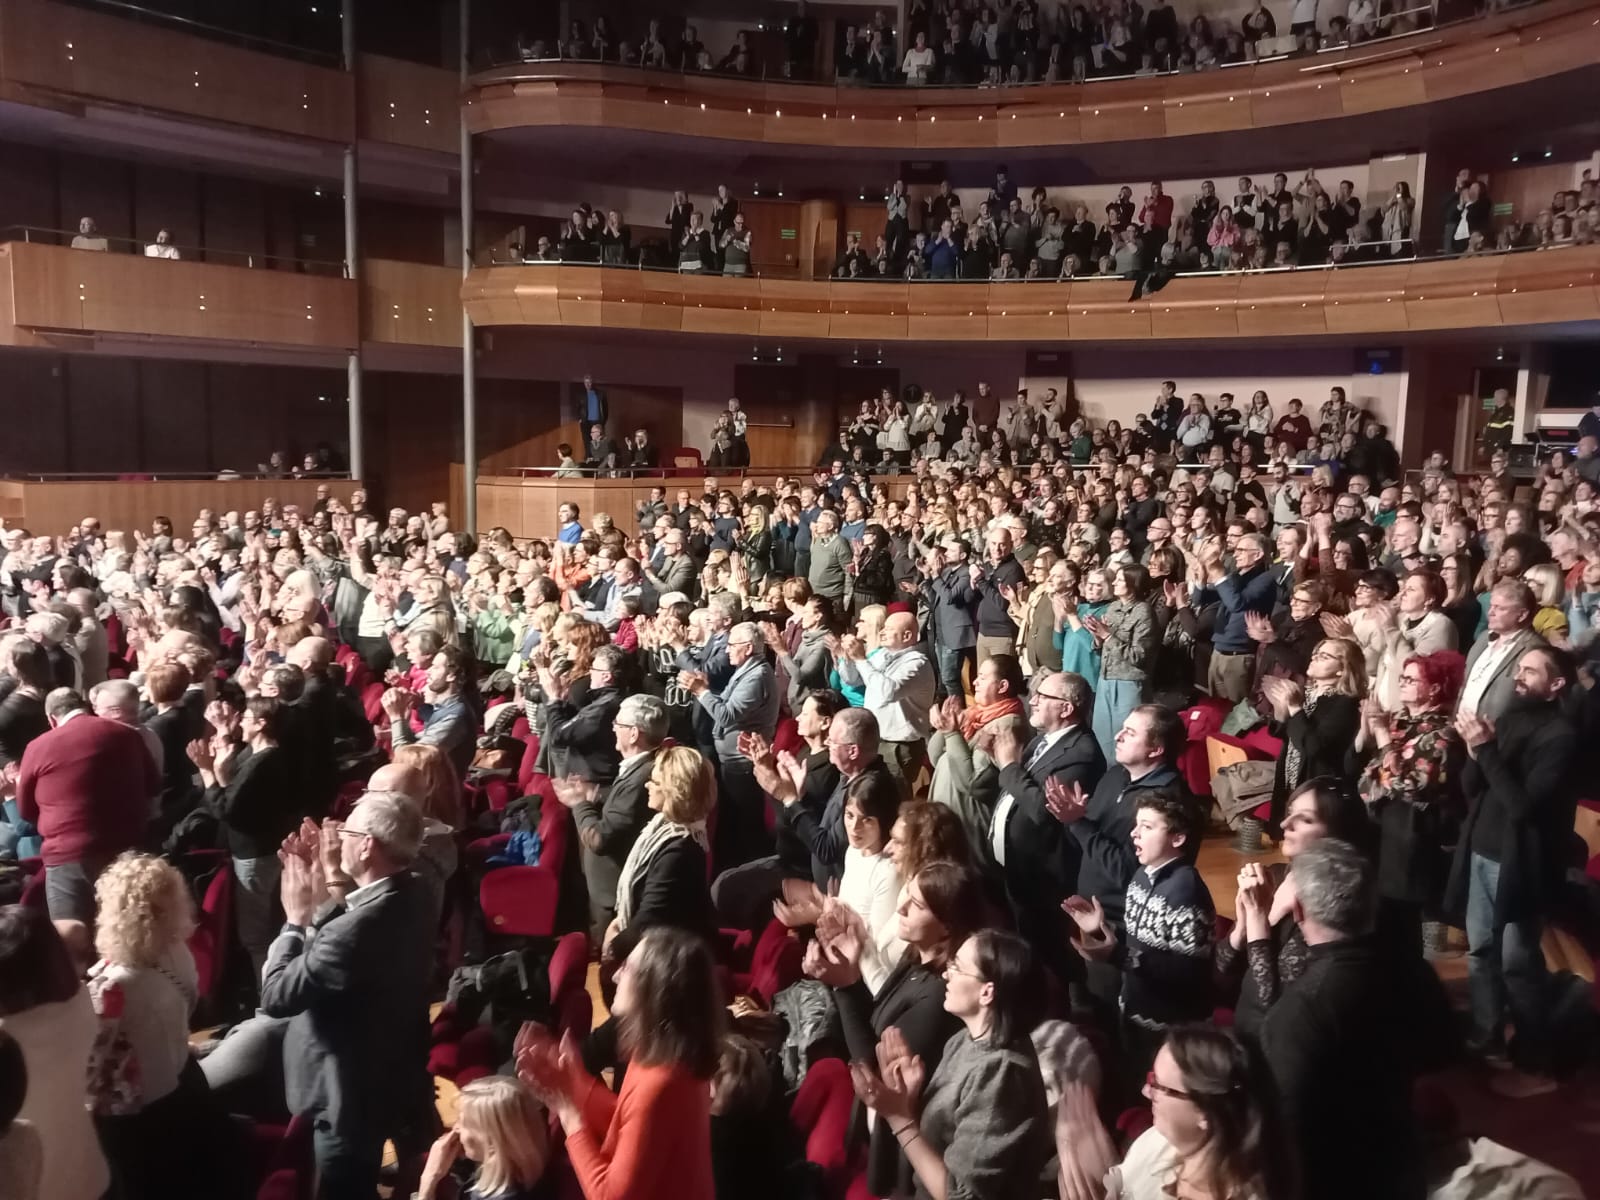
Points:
[(1165, 949)]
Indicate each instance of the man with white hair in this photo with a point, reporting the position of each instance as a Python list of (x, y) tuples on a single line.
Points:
[(610, 817), (50, 630), (900, 686), (351, 970), (747, 703), (118, 700), (90, 640)]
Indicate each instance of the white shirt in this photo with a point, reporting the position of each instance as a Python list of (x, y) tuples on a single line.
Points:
[(871, 887), (917, 64), (1007, 802), (157, 250), (1303, 12), (1484, 670), (900, 688)]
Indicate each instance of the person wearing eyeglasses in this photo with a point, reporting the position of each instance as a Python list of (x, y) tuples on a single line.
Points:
[(351, 972), (978, 1124), (1248, 588), (1318, 719)]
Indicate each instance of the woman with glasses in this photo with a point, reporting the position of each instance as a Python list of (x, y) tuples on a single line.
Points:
[(653, 1139), (938, 909), (1460, 602), (1317, 720), (1421, 628), (1289, 640), (1265, 950), (1412, 785), (978, 1124), (1213, 1134)]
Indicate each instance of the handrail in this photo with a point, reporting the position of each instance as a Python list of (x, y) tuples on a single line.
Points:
[(168, 477), (807, 470), (248, 41), (1399, 260), (645, 71), (182, 251)]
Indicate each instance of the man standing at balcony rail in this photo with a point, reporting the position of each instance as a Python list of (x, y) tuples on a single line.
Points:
[(591, 413), (800, 38), (162, 247), (89, 237)]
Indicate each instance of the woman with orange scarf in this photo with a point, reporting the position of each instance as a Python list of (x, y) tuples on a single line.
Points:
[(965, 778)]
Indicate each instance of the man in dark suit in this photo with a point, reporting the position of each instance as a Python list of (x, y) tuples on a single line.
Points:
[(610, 817), (333, 704), (677, 571), (352, 974), (175, 725), (592, 411), (580, 738), (307, 735), (86, 784), (747, 703), (1039, 864)]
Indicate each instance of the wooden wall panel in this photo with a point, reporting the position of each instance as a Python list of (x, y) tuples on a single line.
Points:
[(166, 199), (770, 250), (62, 48), (98, 188), (103, 408), (54, 287), (233, 217), (174, 417), (1490, 292), (56, 507), (410, 304), (37, 415), (408, 104)]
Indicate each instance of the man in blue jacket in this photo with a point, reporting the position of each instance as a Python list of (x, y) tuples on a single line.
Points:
[(1249, 588)]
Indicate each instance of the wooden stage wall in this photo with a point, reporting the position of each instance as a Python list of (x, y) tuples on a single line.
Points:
[(55, 507)]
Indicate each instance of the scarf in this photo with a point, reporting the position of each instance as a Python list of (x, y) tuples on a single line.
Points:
[(979, 715), (1292, 763), (654, 837)]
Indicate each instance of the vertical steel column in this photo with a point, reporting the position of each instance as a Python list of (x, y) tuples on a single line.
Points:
[(358, 458), (469, 365)]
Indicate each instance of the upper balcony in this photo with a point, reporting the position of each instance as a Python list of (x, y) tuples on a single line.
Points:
[(52, 295), (1528, 291), (1557, 42)]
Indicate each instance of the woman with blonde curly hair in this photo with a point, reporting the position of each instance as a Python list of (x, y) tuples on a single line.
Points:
[(147, 1092)]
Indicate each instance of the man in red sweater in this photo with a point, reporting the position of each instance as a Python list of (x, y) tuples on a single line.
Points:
[(86, 784)]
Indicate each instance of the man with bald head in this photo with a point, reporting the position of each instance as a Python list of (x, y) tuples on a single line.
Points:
[(327, 699), (118, 700), (987, 583), (900, 685)]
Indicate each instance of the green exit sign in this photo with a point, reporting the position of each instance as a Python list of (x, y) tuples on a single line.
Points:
[(787, 235)]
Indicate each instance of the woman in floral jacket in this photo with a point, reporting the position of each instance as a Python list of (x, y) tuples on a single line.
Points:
[(1412, 784)]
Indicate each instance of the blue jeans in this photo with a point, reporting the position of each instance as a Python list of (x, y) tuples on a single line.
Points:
[(949, 661), (1114, 699), (1505, 970)]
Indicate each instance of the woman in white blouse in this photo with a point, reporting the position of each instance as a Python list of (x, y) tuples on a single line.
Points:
[(871, 882)]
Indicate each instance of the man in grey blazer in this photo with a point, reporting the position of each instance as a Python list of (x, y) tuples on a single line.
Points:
[(1491, 675), (610, 818), (747, 703), (352, 973)]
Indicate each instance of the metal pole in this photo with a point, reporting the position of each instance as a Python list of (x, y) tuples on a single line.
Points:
[(469, 365), (352, 242)]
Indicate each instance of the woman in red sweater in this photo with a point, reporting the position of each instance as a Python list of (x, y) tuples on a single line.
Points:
[(652, 1141)]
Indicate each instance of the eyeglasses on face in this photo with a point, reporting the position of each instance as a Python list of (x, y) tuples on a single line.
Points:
[(1151, 1084)]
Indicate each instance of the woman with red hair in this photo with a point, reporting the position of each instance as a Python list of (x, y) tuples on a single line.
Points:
[(1412, 785)]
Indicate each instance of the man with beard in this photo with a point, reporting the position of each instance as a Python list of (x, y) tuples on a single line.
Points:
[(1522, 782)]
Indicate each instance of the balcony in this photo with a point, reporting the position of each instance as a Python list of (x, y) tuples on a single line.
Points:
[(51, 293), (58, 55), (1426, 67), (1498, 291)]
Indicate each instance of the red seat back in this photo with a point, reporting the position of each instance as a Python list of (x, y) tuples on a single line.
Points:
[(520, 901), (569, 965), (775, 964), (821, 1115), (290, 1168)]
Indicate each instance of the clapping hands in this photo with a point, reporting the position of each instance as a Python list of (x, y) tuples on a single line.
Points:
[(893, 1089), (1093, 937)]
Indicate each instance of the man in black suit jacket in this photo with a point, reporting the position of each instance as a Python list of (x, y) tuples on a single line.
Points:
[(352, 974), (1039, 863), (308, 729), (610, 817), (581, 738)]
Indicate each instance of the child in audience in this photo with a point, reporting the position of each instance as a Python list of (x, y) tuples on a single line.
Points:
[(1165, 954)]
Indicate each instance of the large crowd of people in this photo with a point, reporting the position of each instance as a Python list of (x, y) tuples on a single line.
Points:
[(931, 734), (1012, 235), (964, 43)]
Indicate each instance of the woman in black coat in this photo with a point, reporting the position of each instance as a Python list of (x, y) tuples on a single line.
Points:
[(939, 907), (1317, 721)]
